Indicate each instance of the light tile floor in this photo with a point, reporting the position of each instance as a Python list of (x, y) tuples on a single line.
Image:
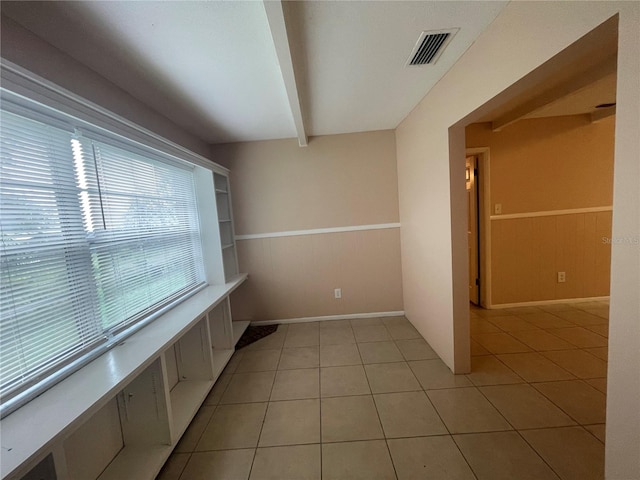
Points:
[(369, 399)]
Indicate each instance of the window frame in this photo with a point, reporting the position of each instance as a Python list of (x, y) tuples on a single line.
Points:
[(29, 95)]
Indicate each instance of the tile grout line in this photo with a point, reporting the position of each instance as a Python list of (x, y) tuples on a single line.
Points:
[(556, 363), (593, 434), (449, 434), (558, 406), (531, 384), (520, 434), (320, 402), (583, 380), (394, 341), (375, 406), (215, 407), (473, 472), (409, 437), (573, 323), (179, 477), (508, 368), (406, 437), (541, 352), (255, 452)]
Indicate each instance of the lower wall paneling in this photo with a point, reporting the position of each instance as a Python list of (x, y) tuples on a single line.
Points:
[(527, 254), (293, 277)]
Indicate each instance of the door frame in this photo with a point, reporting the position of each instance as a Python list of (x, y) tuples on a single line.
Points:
[(473, 227), (484, 222)]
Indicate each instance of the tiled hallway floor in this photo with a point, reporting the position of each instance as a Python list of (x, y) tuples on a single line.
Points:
[(369, 399)]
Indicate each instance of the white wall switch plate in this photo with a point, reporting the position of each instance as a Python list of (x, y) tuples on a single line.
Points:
[(337, 293)]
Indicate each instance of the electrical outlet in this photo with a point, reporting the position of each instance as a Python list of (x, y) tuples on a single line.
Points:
[(562, 277), (337, 293), (498, 209)]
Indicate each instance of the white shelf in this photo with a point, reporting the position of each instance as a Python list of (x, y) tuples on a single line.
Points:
[(238, 329), (225, 221), (140, 462), (30, 432), (220, 359), (220, 182), (136, 379), (186, 398)]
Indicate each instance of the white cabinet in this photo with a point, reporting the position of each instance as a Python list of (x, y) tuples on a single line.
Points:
[(143, 409), (195, 374), (157, 406), (45, 470), (121, 416)]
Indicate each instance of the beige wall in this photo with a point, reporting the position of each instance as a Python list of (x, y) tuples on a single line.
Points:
[(542, 165), (337, 181), (431, 154), (294, 277), (528, 253), (553, 163), (29, 51)]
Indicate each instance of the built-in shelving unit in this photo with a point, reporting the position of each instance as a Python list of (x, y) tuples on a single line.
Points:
[(238, 329), (225, 224), (122, 415)]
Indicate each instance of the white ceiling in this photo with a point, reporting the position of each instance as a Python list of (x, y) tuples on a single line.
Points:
[(211, 66), (208, 66), (355, 55)]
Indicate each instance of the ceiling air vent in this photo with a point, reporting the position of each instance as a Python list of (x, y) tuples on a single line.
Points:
[(430, 46)]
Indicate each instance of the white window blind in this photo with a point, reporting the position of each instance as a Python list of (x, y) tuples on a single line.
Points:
[(93, 238), (143, 230)]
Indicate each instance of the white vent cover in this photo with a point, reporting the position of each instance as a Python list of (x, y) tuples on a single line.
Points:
[(430, 46)]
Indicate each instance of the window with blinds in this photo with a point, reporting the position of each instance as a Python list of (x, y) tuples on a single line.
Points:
[(93, 238)]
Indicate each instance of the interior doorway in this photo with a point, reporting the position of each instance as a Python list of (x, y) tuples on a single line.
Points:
[(621, 403), (473, 228), (479, 226)]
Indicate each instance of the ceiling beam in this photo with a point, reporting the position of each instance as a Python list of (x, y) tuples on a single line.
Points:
[(602, 113), (559, 91), (278, 27)]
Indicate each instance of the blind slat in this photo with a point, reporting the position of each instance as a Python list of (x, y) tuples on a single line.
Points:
[(93, 238)]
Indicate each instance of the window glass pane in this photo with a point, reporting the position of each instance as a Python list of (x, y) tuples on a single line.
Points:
[(45, 288), (145, 246), (93, 238)]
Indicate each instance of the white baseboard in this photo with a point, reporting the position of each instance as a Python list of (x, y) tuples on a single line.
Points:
[(348, 316), (546, 302)]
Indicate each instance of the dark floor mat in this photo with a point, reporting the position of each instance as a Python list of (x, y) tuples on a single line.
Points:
[(255, 333)]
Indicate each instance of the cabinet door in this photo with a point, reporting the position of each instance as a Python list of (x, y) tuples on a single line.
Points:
[(192, 354), (220, 325), (143, 409)]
